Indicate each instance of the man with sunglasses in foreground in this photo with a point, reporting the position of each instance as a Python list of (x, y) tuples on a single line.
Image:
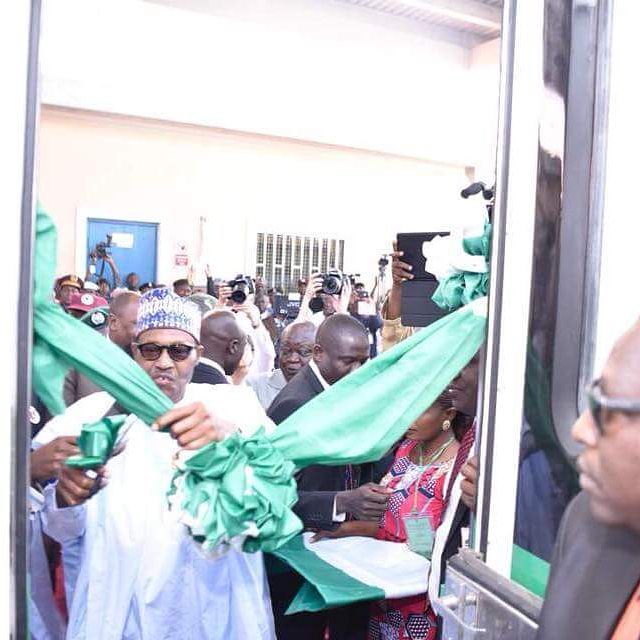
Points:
[(594, 589), (131, 568)]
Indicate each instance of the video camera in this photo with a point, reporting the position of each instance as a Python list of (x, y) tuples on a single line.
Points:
[(241, 287), (101, 248)]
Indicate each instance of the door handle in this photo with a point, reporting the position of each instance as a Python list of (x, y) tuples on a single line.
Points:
[(446, 607)]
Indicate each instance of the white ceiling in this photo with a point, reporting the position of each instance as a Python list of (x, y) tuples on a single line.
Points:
[(462, 22), (481, 18)]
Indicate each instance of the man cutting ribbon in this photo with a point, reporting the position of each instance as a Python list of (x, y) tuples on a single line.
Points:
[(131, 566)]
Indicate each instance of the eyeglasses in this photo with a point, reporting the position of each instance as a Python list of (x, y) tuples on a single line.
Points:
[(598, 401), (152, 351)]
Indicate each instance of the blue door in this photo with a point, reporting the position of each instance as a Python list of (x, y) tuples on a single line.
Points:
[(134, 246)]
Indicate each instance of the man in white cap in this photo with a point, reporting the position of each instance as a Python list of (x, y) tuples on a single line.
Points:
[(131, 568)]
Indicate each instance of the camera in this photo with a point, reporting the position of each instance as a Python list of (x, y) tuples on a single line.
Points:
[(332, 282), (241, 287), (101, 248)]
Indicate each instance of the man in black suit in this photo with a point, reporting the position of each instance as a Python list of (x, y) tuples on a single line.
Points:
[(223, 342), (594, 584), (327, 495)]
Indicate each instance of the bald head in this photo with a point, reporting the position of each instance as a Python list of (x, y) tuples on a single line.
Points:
[(223, 339), (342, 346), (621, 374), (123, 315), (296, 347)]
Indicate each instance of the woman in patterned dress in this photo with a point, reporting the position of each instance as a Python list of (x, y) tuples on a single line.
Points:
[(417, 477)]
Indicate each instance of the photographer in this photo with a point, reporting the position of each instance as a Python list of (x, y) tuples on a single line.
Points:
[(238, 295), (363, 309), (315, 294), (100, 253)]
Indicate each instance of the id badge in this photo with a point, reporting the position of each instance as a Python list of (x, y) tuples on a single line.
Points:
[(419, 534)]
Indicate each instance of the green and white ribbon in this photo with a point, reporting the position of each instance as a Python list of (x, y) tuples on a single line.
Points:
[(355, 569), (242, 489)]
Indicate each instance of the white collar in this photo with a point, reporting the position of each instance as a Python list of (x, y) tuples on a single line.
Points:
[(317, 374), (212, 363)]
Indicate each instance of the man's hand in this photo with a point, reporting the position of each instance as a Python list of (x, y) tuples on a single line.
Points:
[(76, 486), (224, 294), (250, 310), (313, 288), (469, 484), (192, 426), (367, 502), (48, 461), (347, 529), (400, 271)]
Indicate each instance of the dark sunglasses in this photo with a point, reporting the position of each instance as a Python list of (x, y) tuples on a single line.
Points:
[(152, 351), (598, 401)]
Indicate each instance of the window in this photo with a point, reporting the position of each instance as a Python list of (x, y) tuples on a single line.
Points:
[(283, 259)]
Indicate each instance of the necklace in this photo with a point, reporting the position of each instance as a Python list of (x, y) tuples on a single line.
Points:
[(431, 460), (438, 452)]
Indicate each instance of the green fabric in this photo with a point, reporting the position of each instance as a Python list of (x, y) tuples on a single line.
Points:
[(361, 417), (464, 287), (215, 489), (96, 442), (529, 571), (327, 585), (239, 485), (61, 341)]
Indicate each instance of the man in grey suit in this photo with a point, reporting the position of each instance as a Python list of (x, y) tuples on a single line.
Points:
[(595, 577), (296, 349)]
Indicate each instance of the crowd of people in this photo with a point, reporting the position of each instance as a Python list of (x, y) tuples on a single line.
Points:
[(108, 560)]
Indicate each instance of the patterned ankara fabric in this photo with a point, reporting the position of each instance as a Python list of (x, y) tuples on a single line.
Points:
[(409, 618), (163, 309)]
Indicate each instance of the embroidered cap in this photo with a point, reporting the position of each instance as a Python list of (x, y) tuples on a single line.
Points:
[(163, 309)]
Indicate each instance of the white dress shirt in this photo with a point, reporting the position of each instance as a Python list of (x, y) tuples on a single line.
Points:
[(337, 517)]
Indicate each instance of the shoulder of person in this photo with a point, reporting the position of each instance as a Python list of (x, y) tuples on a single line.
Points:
[(238, 405)]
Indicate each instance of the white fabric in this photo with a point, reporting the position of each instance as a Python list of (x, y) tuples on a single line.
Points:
[(267, 386), (443, 531), (265, 353), (389, 566), (139, 573), (45, 621), (318, 375)]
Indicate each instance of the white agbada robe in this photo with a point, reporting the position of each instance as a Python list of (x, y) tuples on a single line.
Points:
[(138, 574)]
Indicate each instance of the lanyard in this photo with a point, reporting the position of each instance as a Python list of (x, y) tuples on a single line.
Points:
[(431, 460)]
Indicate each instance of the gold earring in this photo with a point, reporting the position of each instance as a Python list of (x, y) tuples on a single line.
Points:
[(446, 425)]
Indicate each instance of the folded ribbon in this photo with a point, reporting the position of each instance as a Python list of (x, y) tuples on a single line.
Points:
[(237, 492), (96, 442)]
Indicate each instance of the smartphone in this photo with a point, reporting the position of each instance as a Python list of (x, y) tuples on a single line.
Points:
[(418, 309)]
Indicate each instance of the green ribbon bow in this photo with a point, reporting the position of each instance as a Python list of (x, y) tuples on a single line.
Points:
[(244, 486), (461, 288), (239, 487), (96, 442)]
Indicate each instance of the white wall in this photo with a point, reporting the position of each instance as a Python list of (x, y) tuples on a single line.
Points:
[(175, 174), (328, 73)]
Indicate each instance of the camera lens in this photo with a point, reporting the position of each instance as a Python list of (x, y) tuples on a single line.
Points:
[(239, 296), (331, 285), (316, 305)]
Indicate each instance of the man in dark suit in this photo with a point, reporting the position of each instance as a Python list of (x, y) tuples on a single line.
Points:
[(327, 495), (223, 343), (593, 591)]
